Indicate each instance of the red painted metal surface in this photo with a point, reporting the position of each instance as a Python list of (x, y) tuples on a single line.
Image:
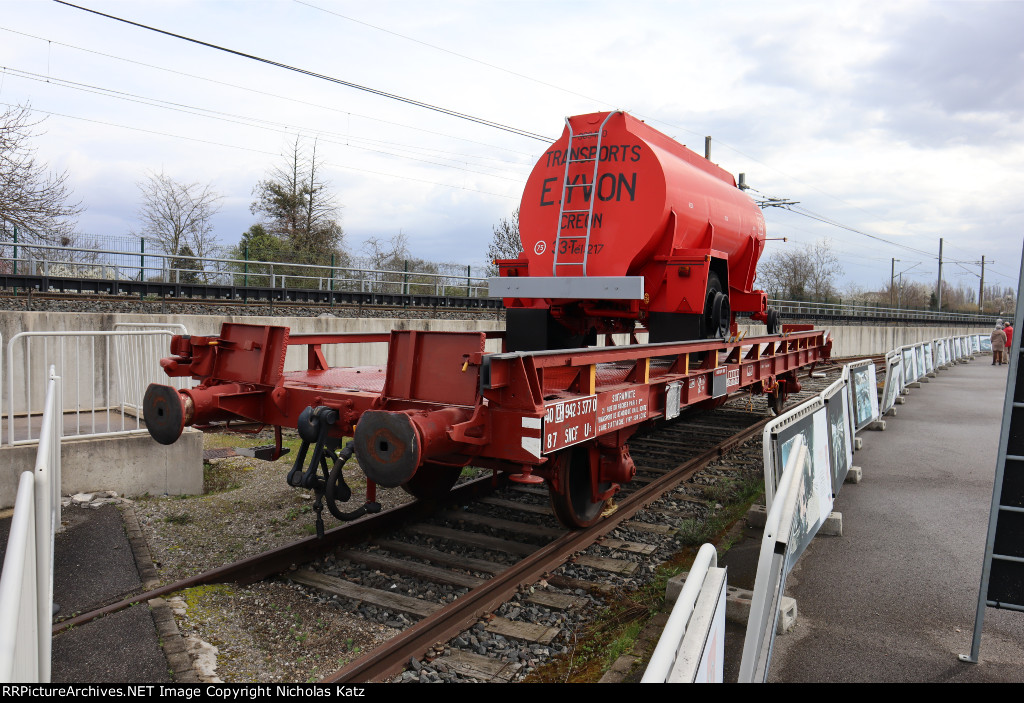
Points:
[(659, 211), (466, 405)]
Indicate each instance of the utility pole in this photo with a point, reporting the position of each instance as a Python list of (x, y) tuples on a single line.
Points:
[(892, 282), (981, 287), (939, 294)]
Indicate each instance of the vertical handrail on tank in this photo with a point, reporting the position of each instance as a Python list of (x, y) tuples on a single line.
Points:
[(565, 191)]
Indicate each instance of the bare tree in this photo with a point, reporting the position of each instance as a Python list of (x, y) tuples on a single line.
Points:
[(178, 216), (297, 206), (824, 270), (387, 254), (806, 273), (32, 198), (506, 243)]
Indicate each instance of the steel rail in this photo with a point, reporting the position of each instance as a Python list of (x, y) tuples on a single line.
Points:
[(261, 566), (458, 616)]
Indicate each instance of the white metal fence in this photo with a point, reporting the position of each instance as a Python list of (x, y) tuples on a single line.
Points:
[(26, 584), (105, 374), (409, 277), (796, 308)]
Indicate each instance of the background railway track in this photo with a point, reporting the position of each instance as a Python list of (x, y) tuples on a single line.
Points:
[(432, 306), (489, 586)]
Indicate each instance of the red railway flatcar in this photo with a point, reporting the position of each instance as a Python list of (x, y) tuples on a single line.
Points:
[(624, 231)]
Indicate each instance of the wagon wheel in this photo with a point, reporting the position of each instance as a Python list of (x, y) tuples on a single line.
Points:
[(573, 504), (717, 312), (777, 400), (432, 481)]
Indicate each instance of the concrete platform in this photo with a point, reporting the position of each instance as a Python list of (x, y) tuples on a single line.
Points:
[(894, 598)]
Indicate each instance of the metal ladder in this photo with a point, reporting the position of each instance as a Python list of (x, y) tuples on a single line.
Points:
[(566, 185)]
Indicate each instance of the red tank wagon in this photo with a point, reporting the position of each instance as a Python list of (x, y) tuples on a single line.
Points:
[(621, 225)]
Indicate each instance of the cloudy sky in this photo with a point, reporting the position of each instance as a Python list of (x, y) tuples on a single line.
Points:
[(900, 120)]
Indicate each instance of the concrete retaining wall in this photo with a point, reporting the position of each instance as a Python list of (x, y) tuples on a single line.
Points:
[(849, 340)]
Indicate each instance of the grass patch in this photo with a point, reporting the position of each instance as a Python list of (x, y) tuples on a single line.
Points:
[(221, 477), (179, 519)]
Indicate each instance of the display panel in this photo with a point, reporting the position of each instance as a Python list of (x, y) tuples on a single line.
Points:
[(893, 381), (909, 366), (814, 500), (840, 431), (865, 395)]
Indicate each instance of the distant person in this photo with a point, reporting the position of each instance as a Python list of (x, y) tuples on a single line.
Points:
[(998, 344), (1008, 331)]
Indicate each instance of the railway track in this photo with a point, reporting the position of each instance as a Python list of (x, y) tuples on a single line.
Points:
[(484, 586), (39, 289)]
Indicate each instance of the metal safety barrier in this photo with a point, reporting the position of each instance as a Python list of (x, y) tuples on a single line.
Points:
[(674, 660), (105, 377), (26, 584), (808, 452), (873, 313)]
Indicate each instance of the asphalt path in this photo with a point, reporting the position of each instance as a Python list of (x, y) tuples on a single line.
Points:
[(894, 598)]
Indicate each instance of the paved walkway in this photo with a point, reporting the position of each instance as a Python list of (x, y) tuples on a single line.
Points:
[(894, 598), (94, 566)]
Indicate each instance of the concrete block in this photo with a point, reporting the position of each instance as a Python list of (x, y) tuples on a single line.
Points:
[(932, 375), (900, 400), (878, 425), (914, 384), (737, 605), (131, 465), (891, 412), (858, 443), (854, 475), (833, 525), (757, 516), (620, 669), (924, 379)]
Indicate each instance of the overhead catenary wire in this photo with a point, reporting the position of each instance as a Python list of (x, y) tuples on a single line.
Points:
[(259, 151), (322, 76), (256, 123), (497, 125), (265, 93)]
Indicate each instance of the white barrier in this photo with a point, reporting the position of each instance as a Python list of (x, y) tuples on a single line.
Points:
[(773, 566), (26, 585), (138, 360), (692, 646), (796, 491), (105, 376)]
